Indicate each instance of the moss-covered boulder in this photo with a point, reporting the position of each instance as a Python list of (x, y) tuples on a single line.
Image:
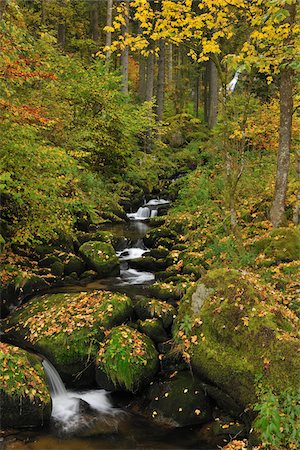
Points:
[(234, 329), (74, 264), (148, 263), (154, 329), (180, 399), (284, 244), (128, 358), (24, 394), (153, 236), (167, 291), (101, 256), (67, 328), (148, 308)]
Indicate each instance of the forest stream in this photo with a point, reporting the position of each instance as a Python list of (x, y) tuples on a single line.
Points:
[(95, 419)]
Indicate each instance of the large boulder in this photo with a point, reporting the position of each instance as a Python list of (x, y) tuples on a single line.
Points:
[(100, 256), (24, 393), (128, 358), (68, 326), (180, 399), (234, 330)]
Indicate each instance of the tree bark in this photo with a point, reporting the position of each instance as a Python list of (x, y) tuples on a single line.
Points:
[(161, 81), (142, 78), (296, 211), (94, 17), (2, 8), (109, 24), (125, 52), (61, 35), (277, 212), (150, 77), (283, 157), (213, 94)]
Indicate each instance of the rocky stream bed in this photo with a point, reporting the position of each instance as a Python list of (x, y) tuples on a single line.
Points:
[(125, 348)]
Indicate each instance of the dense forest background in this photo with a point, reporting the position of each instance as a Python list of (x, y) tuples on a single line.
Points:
[(75, 145)]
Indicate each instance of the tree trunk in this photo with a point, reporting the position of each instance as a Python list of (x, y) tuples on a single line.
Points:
[(2, 8), (196, 96), (142, 78), (43, 13), (161, 81), (125, 52), (94, 17), (296, 211), (109, 24), (283, 157), (61, 35), (150, 77), (170, 65), (285, 134), (213, 94)]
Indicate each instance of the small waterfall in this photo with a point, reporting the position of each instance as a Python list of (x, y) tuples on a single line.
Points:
[(153, 213), (67, 406), (57, 387)]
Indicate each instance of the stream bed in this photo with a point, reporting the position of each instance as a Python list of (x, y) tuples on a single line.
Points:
[(93, 419)]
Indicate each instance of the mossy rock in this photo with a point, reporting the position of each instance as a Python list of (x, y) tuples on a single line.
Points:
[(154, 329), (284, 244), (24, 394), (128, 358), (101, 257), (166, 291), (180, 399), (159, 253), (49, 260), (57, 268), (74, 264), (148, 308), (238, 330), (152, 237), (88, 275), (148, 264), (68, 326)]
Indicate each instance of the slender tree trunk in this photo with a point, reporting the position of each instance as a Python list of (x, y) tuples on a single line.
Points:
[(170, 65), (196, 96), (61, 29), (150, 77), (142, 78), (43, 13), (296, 211), (161, 81), (94, 15), (285, 134), (125, 52), (283, 157), (61, 35), (213, 95), (109, 24), (2, 8)]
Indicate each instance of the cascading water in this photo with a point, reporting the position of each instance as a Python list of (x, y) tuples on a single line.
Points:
[(148, 210), (68, 407)]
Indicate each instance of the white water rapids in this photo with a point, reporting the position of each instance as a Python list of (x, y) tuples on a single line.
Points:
[(72, 410)]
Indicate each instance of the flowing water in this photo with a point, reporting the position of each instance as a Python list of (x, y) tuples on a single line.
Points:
[(88, 420)]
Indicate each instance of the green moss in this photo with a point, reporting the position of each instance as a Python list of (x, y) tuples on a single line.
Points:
[(128, 358), (22, 375), (284, 244), (100, 256), (154, 329), (233, 328), (68, 326), (147, 308)]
